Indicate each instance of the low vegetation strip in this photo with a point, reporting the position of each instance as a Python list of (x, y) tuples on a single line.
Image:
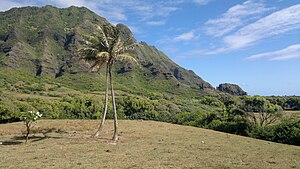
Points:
[(142, 144)]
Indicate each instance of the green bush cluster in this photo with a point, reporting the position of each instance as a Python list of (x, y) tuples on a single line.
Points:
[(28, 88), (221, 121), (285, 132), (8, 111), (147, 109), (235, 115), (67, 107), (286, 102)]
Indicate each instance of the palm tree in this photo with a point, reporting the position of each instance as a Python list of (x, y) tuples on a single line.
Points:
[(107, 48)]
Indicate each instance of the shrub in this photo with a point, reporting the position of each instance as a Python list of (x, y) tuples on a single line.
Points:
[(239, 128), (285, 132), (29, 117), (8, 112)]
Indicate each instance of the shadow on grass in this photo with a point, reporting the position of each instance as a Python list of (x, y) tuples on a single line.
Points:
[(7, 143), (21, 139)]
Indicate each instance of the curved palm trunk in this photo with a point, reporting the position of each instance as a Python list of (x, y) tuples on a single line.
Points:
[(106, 103), (115, 136)]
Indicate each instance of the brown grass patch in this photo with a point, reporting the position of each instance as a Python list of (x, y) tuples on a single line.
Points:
[(142, 144)]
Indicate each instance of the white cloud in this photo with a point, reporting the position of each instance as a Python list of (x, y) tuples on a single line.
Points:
[(235, 17), (185, 36), (277, 23), (274, 24), (155, 23), (290, 52)]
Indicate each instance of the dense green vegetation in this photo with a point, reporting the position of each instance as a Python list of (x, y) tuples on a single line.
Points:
[(238, 115), (286, 102)]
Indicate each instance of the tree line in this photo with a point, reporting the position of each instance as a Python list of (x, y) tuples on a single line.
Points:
[(252, 116)]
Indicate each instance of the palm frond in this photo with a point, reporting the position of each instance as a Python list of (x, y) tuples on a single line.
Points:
[(94, 40), (88, 53), (102, 56), (126, 57), (99, 64), (123, 49), (117, 46), (90, 40), (103, 37)]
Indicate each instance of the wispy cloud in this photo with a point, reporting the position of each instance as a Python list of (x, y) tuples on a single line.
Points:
[(235, 17), (274, 24), (290, 52), (177, 2), (201, 2), (277, 23), (155, 23), (146, 11), (134, 29), (187, 36)]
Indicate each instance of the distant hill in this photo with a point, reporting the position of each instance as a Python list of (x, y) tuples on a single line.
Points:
[(42, 43)]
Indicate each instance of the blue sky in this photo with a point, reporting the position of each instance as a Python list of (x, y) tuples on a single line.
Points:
[(252, 43)]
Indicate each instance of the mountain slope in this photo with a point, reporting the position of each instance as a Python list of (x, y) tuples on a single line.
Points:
[(42, 43)]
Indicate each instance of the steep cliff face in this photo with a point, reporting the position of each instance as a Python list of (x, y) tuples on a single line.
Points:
[(44, 42)]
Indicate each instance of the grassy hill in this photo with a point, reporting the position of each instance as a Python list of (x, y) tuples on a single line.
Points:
[(142, 144)]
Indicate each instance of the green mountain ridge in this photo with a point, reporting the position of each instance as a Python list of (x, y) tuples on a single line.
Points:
[(43, 43)]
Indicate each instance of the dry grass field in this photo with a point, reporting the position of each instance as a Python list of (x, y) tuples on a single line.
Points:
[(142, 144), (292, 114)]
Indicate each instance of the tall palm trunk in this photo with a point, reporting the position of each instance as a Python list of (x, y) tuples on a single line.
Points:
[(106, 103), (115, 136)]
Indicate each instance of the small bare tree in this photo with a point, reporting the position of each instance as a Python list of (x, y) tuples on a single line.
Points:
[(28, 118), (261, 111)]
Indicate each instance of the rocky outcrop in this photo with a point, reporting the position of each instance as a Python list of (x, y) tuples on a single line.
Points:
[(232, 89)]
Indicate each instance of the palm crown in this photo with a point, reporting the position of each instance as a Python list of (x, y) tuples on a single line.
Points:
[(107, 47)]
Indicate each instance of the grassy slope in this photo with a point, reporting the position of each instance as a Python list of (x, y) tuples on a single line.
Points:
[(143, 144)]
